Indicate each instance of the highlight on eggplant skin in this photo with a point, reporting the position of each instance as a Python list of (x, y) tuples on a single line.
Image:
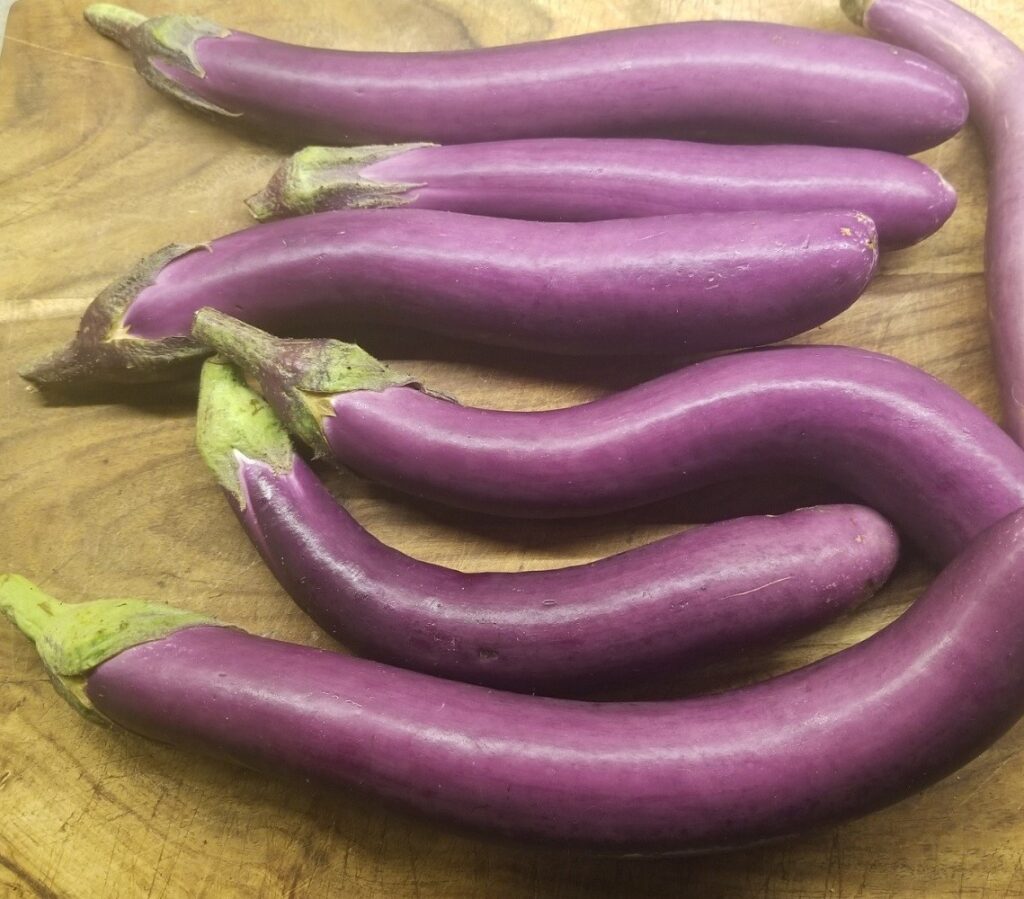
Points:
[(588, 179), (991, 67), (676, 285), (713, 81), (845, 736), (847, 416), (674, 605)]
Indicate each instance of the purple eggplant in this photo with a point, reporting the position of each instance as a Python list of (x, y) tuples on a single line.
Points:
[(674, 605), (580, 179), (842, 737), (667, 284), (991, 67), (739, 81), (844, 415)]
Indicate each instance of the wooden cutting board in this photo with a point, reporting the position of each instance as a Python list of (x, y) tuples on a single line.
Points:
[(111, 499)]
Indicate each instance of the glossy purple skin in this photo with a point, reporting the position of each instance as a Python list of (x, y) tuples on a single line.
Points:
[(579, 179), (676, 604), (673, 284), (839, 738), (724, 81), (991, 67), (895, 437)]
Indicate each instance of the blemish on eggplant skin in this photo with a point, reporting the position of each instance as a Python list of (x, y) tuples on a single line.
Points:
[(487, 655)]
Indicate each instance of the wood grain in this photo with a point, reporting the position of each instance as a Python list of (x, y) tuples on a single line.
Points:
[(97, 170)]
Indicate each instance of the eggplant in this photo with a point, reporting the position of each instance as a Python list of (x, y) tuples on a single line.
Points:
[(667, 284), (587, 179), (846, 416), (707, 80)]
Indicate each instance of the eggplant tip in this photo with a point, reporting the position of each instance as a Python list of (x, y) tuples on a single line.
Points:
[(262, 205), (57, 368), (114, 22)]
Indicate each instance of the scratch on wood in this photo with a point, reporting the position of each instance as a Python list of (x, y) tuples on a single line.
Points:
[(992, 773), (37, 886), (102, 62), (40, 309)]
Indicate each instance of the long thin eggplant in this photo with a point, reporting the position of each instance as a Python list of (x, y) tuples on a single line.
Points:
[(847, 416), (581, 179), (739, 81), (667, 284), (673, 605), (991, 67), (845, 736)]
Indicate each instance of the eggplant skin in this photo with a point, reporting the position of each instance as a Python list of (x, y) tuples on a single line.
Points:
[(891, 435), (991, 67), (674, 605), (717, 81), (839, 738)]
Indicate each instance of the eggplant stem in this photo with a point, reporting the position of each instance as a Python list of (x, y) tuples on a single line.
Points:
[(31, 610), (114, 22), (320, 178), (297, 377), (104, 350), (232, 419), (73, 638), (243, 344)]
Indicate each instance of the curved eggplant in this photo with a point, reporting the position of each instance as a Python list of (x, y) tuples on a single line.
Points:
[(991, 67), (846, 416)]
